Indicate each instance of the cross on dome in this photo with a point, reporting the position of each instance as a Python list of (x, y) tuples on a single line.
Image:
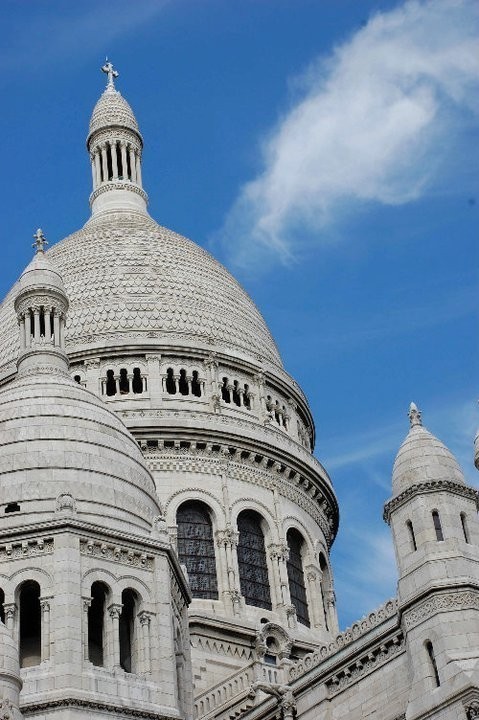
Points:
[(111, 72), (40, 241), (414, 415)]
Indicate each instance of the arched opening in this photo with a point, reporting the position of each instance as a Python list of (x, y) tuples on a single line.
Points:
[(412, 536), (183, 383), (246, 397), (465, 529), (236, 395), (109, 162), (297, 588), (129, 601), (325, 587), (119, 162), (124, 382), (30, 640), (42, 322), (128, 163), (170, 382), (437, 525), (2, 606), (77, 379), (137, 382), (253, 569), (110, 383), (96, 624), (271, 655), (432, 661), (225, 393), (196, 548), (195, 384)]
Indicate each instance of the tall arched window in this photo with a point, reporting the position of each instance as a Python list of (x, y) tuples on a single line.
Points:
[(170, 382), (465, 529), (110, 383), (432, 660), (96, 624), (128, 660), (253, 570), (412, 536), (297, 588), (137, 382), (437, 525), (30, 624), (196, 548)]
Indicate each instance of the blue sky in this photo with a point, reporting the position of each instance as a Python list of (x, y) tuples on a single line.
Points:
[(326, 153)]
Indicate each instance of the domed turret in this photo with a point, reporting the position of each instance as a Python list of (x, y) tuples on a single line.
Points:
[(422, 458)]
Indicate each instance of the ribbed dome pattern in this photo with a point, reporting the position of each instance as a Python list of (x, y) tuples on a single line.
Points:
[(422, 458), (112, 110)]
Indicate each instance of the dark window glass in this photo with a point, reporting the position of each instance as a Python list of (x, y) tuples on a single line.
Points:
[(437, 525), (196, 549), (96, 622), (127, 630), (297, 587), (253, 569), (30, 624)]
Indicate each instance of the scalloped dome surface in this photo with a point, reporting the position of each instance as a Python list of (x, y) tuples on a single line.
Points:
[(128, 278), (422, 458), (112, 109)]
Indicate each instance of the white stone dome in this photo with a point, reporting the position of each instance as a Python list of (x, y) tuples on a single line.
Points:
[(59, 440), (40, 273), (423, 458), (112, 110)]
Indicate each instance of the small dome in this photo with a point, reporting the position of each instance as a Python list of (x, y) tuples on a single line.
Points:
[(423, 458), (9, 664), (62, 449), (40, 274), (112, 110)]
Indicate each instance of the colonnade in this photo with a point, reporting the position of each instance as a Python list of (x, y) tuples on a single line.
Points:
[(42, 323), (114, 160)]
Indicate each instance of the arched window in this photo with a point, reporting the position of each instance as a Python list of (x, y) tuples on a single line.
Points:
[(325, 587), (109, 162), (129, 600), (183, 383), (110, 383), (2, 608), (465, 529), (297, 588), (432, 660), (96, 624), (246, 397), (124, 382), (195, 384), (119, 162), (30, 640), (437, 525), (137, 382), (236, 395), (253, 570), (170, 382), (225, 393), (412, 536), (196, 548)]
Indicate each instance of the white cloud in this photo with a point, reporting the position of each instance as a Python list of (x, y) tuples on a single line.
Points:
[(370, 125)]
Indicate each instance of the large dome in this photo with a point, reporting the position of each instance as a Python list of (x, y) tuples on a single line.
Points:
[(128, 278)]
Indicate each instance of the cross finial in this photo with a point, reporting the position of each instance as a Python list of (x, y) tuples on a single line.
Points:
[(414, 415), (111, 72), (40, 241)]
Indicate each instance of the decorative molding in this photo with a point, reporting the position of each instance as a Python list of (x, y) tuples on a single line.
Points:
[(357, 630), (26, 549), (116, 553), (429, 487), (440, 602), (118, 185), (76, 703)]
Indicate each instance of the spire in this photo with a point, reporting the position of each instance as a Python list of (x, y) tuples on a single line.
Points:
[(40, 241), (115, 146), (111, 72), (41, 304), (414, 415)]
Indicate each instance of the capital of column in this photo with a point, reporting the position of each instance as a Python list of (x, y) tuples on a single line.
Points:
[(279, 551), (115, 610), (228, 537), (144, 617), (10, 610), (45, 603), (86, 603)]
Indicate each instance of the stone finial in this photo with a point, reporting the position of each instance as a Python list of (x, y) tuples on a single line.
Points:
[(40, 241), (111, 72), (414, 415)]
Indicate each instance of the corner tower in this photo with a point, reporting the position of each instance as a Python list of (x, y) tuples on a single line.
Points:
[(433, 518)]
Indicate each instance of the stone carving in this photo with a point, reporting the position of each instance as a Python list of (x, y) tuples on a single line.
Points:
[(66, 504), (123, 555), (458, 600), (27, 548), (472, 710), (430, 486)]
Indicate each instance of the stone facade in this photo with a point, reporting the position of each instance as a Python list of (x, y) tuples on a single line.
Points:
[(165, 544)]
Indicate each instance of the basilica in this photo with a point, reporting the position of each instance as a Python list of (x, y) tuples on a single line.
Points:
[(164, 547)]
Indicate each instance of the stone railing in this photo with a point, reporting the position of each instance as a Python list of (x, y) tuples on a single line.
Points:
[(357, 629), (239, 683)]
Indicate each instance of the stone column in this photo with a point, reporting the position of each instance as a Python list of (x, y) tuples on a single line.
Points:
[(104, 162), (45, 631), (36, 324), (93, 170), (61, 331), (114, 161), (28, 329), (145, 620), (23, 340), (261, 410), (313, 592), (124, 163), (10, 610), (115, 612), (56, 328), (86, 606), (131, 151), (211, 365), (47, 315), (97, 168), (138, 167)]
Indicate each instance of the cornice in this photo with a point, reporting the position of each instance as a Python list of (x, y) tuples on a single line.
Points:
[(431, 486), (77, 703)]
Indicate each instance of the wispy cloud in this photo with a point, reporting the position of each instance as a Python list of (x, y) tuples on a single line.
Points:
[(370, 125)]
